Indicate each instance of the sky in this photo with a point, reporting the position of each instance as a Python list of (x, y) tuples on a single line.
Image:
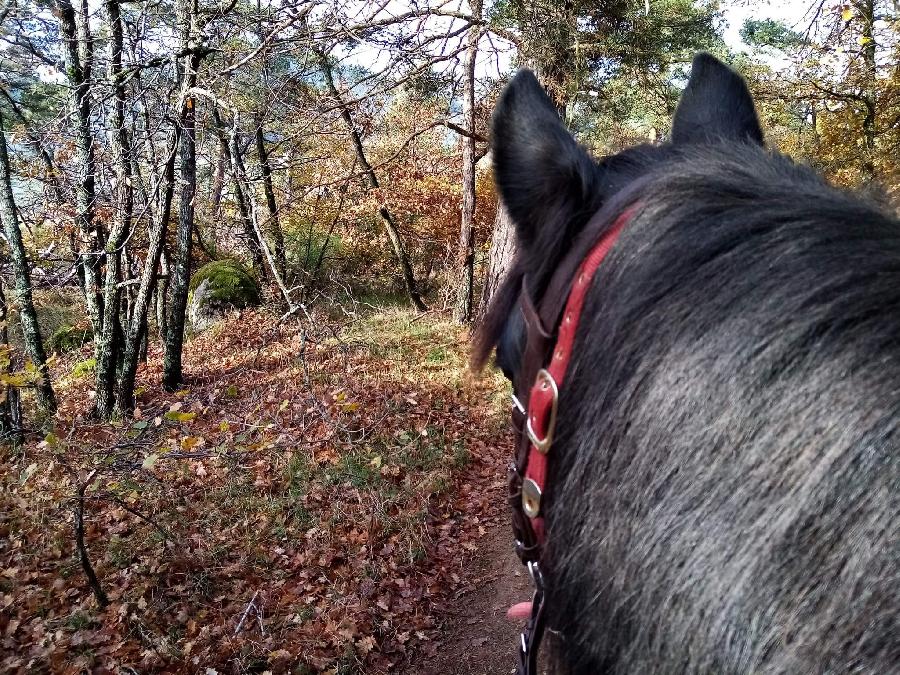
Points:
[(794, 14), (735, 12)]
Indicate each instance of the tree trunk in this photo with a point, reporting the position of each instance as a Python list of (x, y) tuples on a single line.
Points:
[(162, 291), (389, 223), (108, 345), (10, 408), (181, 270), (241, 182), (503, 248), (78, 51), (273, 224), (866, 9), (462, 312), (31, 331), (218, 184), (136, 336), (230, 149)]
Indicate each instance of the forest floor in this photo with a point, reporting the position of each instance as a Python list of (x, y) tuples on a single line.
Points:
[(322, 496)]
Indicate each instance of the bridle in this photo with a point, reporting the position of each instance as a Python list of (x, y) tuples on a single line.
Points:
[(550, 335)]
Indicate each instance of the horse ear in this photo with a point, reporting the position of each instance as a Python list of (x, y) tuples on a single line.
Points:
[(715, 106), (543, 175)]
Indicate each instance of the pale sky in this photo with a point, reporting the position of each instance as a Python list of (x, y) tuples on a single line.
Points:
[(794, 14), (493, 64)]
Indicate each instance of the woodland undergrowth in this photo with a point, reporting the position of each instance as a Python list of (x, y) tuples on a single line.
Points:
[(307, 503)]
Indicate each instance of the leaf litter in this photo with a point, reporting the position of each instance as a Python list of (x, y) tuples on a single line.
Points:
[(307, 503)]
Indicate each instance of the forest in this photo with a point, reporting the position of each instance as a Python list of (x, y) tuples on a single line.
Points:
[(245, 245)]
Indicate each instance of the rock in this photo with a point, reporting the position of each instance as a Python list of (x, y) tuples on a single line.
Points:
[(69, 338), (218, 288)]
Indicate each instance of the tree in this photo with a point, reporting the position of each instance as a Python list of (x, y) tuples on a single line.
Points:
[(79, 56), (109, 341), (390, 224), (31, 330), (465, 290), (230, 151), (836, 101), (181, 269), (500, 256), (137, 328), (10, 407)]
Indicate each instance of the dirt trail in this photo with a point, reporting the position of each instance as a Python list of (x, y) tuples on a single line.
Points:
[(477, 638)]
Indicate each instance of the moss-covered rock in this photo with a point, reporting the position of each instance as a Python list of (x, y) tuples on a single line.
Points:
[(218, 287), (68, 338), (229, 281)]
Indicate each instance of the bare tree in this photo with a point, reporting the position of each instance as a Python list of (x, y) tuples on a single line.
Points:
[(181, 270), (31, 330), (390, 224), (137, 328), (108, 341), (230, 150), (272, 223), (78, 52), (464, 294)]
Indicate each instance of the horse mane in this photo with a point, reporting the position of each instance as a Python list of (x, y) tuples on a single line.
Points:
[(619, 179), (725, 442), (501, 306)]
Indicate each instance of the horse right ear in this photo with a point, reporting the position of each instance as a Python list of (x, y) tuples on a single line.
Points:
[(715, 106), (543, 175)]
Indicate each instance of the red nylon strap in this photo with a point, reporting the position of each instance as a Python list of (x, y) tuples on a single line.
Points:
[(542, 400)]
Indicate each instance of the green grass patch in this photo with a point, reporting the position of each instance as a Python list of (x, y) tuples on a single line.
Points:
[(83, 368), (78, 620), (358, 468)]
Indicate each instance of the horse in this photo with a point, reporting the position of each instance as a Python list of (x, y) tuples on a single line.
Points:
[(722, 491)]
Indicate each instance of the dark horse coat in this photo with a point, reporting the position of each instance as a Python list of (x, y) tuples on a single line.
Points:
[(724, 490)]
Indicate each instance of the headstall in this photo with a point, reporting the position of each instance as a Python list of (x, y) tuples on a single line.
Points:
[(544, 364)]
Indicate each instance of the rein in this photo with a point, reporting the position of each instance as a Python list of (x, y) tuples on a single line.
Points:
[(543, 370)]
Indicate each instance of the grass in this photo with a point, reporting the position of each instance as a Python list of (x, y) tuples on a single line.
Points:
[(78, 620), (83, 368), (419, 347)]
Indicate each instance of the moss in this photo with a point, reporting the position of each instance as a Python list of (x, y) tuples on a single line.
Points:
[(69, 338), (84, 367), (229, 282)]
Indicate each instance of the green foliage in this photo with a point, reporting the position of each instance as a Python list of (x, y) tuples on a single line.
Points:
[(305, 243), (628, 70), (770, 33), (83, 368), (229, 281), (69, 338)]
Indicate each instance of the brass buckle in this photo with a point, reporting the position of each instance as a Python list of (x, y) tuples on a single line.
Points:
[(542, 445)]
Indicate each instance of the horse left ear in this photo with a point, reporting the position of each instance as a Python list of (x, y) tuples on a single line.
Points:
[(543, 175), (715, 106)]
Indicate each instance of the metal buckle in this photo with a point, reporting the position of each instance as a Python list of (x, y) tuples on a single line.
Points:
[(537, 578), (531, 498), (542, 445)]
